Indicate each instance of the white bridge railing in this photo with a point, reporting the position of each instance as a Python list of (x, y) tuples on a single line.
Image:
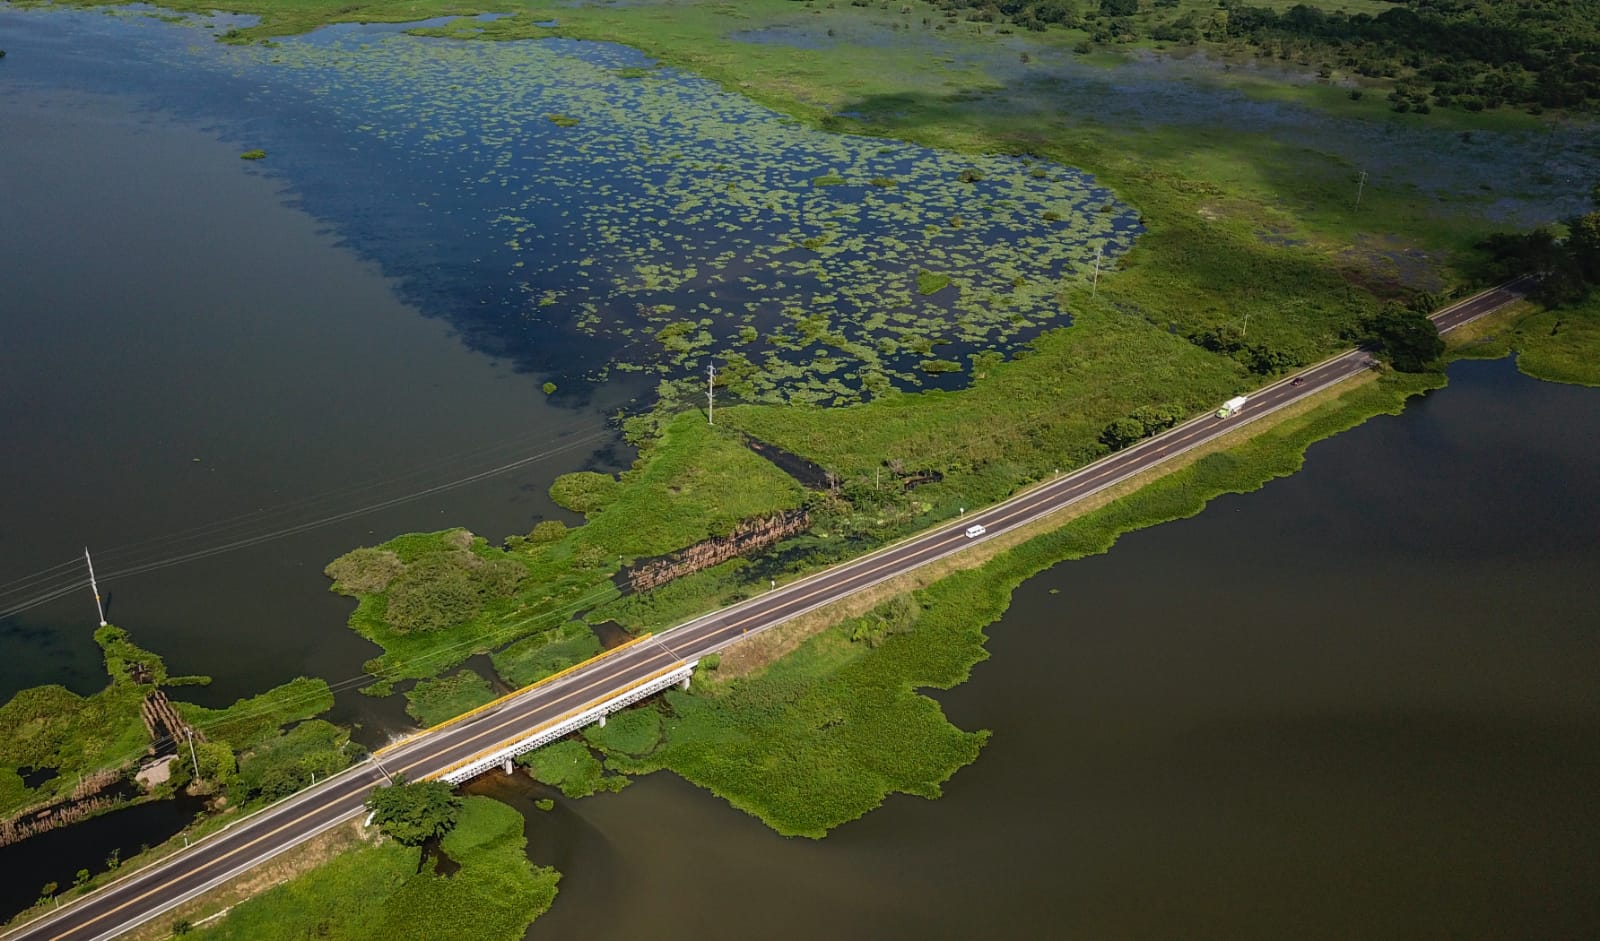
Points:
[(503, 754)]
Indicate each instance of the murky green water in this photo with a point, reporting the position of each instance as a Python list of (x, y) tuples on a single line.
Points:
[(1361, 702)]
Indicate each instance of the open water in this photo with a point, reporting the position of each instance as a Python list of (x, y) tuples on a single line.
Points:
[(1361, 702)]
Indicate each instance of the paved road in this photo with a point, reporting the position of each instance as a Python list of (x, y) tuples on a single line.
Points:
[(143, 895)]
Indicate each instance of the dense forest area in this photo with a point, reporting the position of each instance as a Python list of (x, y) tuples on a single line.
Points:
[(1470, 54)]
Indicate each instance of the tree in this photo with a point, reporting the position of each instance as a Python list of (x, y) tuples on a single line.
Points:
[(217, 763), (1121, 433), (414, 813), (1407, 338), (1583, 242)]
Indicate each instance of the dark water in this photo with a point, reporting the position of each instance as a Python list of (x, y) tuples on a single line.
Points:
[(58, 855), (202, 352), (188, 363), (1363, 702)]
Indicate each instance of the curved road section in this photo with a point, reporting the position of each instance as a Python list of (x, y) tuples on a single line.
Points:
[(143, 895)]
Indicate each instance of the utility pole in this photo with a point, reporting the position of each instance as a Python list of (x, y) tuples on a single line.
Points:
[(1245, 330), (711, 394), (1094, 291), (94, 587), (192, 756), (1361, 184)]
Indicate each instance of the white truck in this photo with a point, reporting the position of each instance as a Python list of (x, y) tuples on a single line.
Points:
[(1231, 407)]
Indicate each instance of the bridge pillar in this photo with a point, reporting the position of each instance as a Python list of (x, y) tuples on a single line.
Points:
[(510, 768), (684, 684), (602, 720)]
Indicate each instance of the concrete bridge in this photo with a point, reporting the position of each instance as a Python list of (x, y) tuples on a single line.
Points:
[(496, 733), (503, 755)]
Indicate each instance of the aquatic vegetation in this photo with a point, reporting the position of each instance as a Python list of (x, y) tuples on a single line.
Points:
[(387, 890), (666, 221), (52, 729), (253, 155), (569, 765), (929, 283), (433, 701), (695, 481)]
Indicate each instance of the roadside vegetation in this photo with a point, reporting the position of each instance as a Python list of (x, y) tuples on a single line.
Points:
[(1256, 256), (393, 889), (824, 734), (432, 600), (433, 701), (58, 739)]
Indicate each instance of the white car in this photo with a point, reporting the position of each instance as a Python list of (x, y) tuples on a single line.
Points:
[(973, 532)]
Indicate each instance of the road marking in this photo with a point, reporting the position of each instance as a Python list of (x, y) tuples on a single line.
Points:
[(326, 805), (907, 552), (556, 721), (513, 694)]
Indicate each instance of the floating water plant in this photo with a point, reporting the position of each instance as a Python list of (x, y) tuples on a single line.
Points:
[(675, 221), (929, 282)]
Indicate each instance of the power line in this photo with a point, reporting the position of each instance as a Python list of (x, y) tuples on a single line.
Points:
[(61, 588), (119, 554)]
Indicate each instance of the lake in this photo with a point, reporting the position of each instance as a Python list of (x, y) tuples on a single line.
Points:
[(1360, 702)]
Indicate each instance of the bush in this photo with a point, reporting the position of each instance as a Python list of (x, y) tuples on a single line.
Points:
[(363, 571), (431, 594), (414, 812), (584, 492), (288, 763)]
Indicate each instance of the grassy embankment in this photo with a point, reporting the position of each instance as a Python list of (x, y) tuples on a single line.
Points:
[(431, 600), (821, 736), (1558, 345), (387, 891), (52, 729), (247, 758)]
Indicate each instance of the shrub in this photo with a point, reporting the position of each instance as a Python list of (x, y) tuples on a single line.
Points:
[(363, 571), (584, 492), (414, 812)]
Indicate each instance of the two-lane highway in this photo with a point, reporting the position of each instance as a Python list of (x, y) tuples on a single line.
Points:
[(145, 894)]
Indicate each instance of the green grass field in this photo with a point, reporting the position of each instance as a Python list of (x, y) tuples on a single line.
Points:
[(377, 892), (433, 701), (822, 736), (52, 728)]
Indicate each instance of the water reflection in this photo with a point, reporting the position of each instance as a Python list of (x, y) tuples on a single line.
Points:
[(1361, 702)]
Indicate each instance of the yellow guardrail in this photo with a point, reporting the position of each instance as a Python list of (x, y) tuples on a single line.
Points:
[(558, 719), (515, 693)]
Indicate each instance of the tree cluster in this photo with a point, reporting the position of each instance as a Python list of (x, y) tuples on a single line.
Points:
[(1403, 335), (1260, 358), (1568, 266), (1470, 54), (413, 812), (1145, 421)]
